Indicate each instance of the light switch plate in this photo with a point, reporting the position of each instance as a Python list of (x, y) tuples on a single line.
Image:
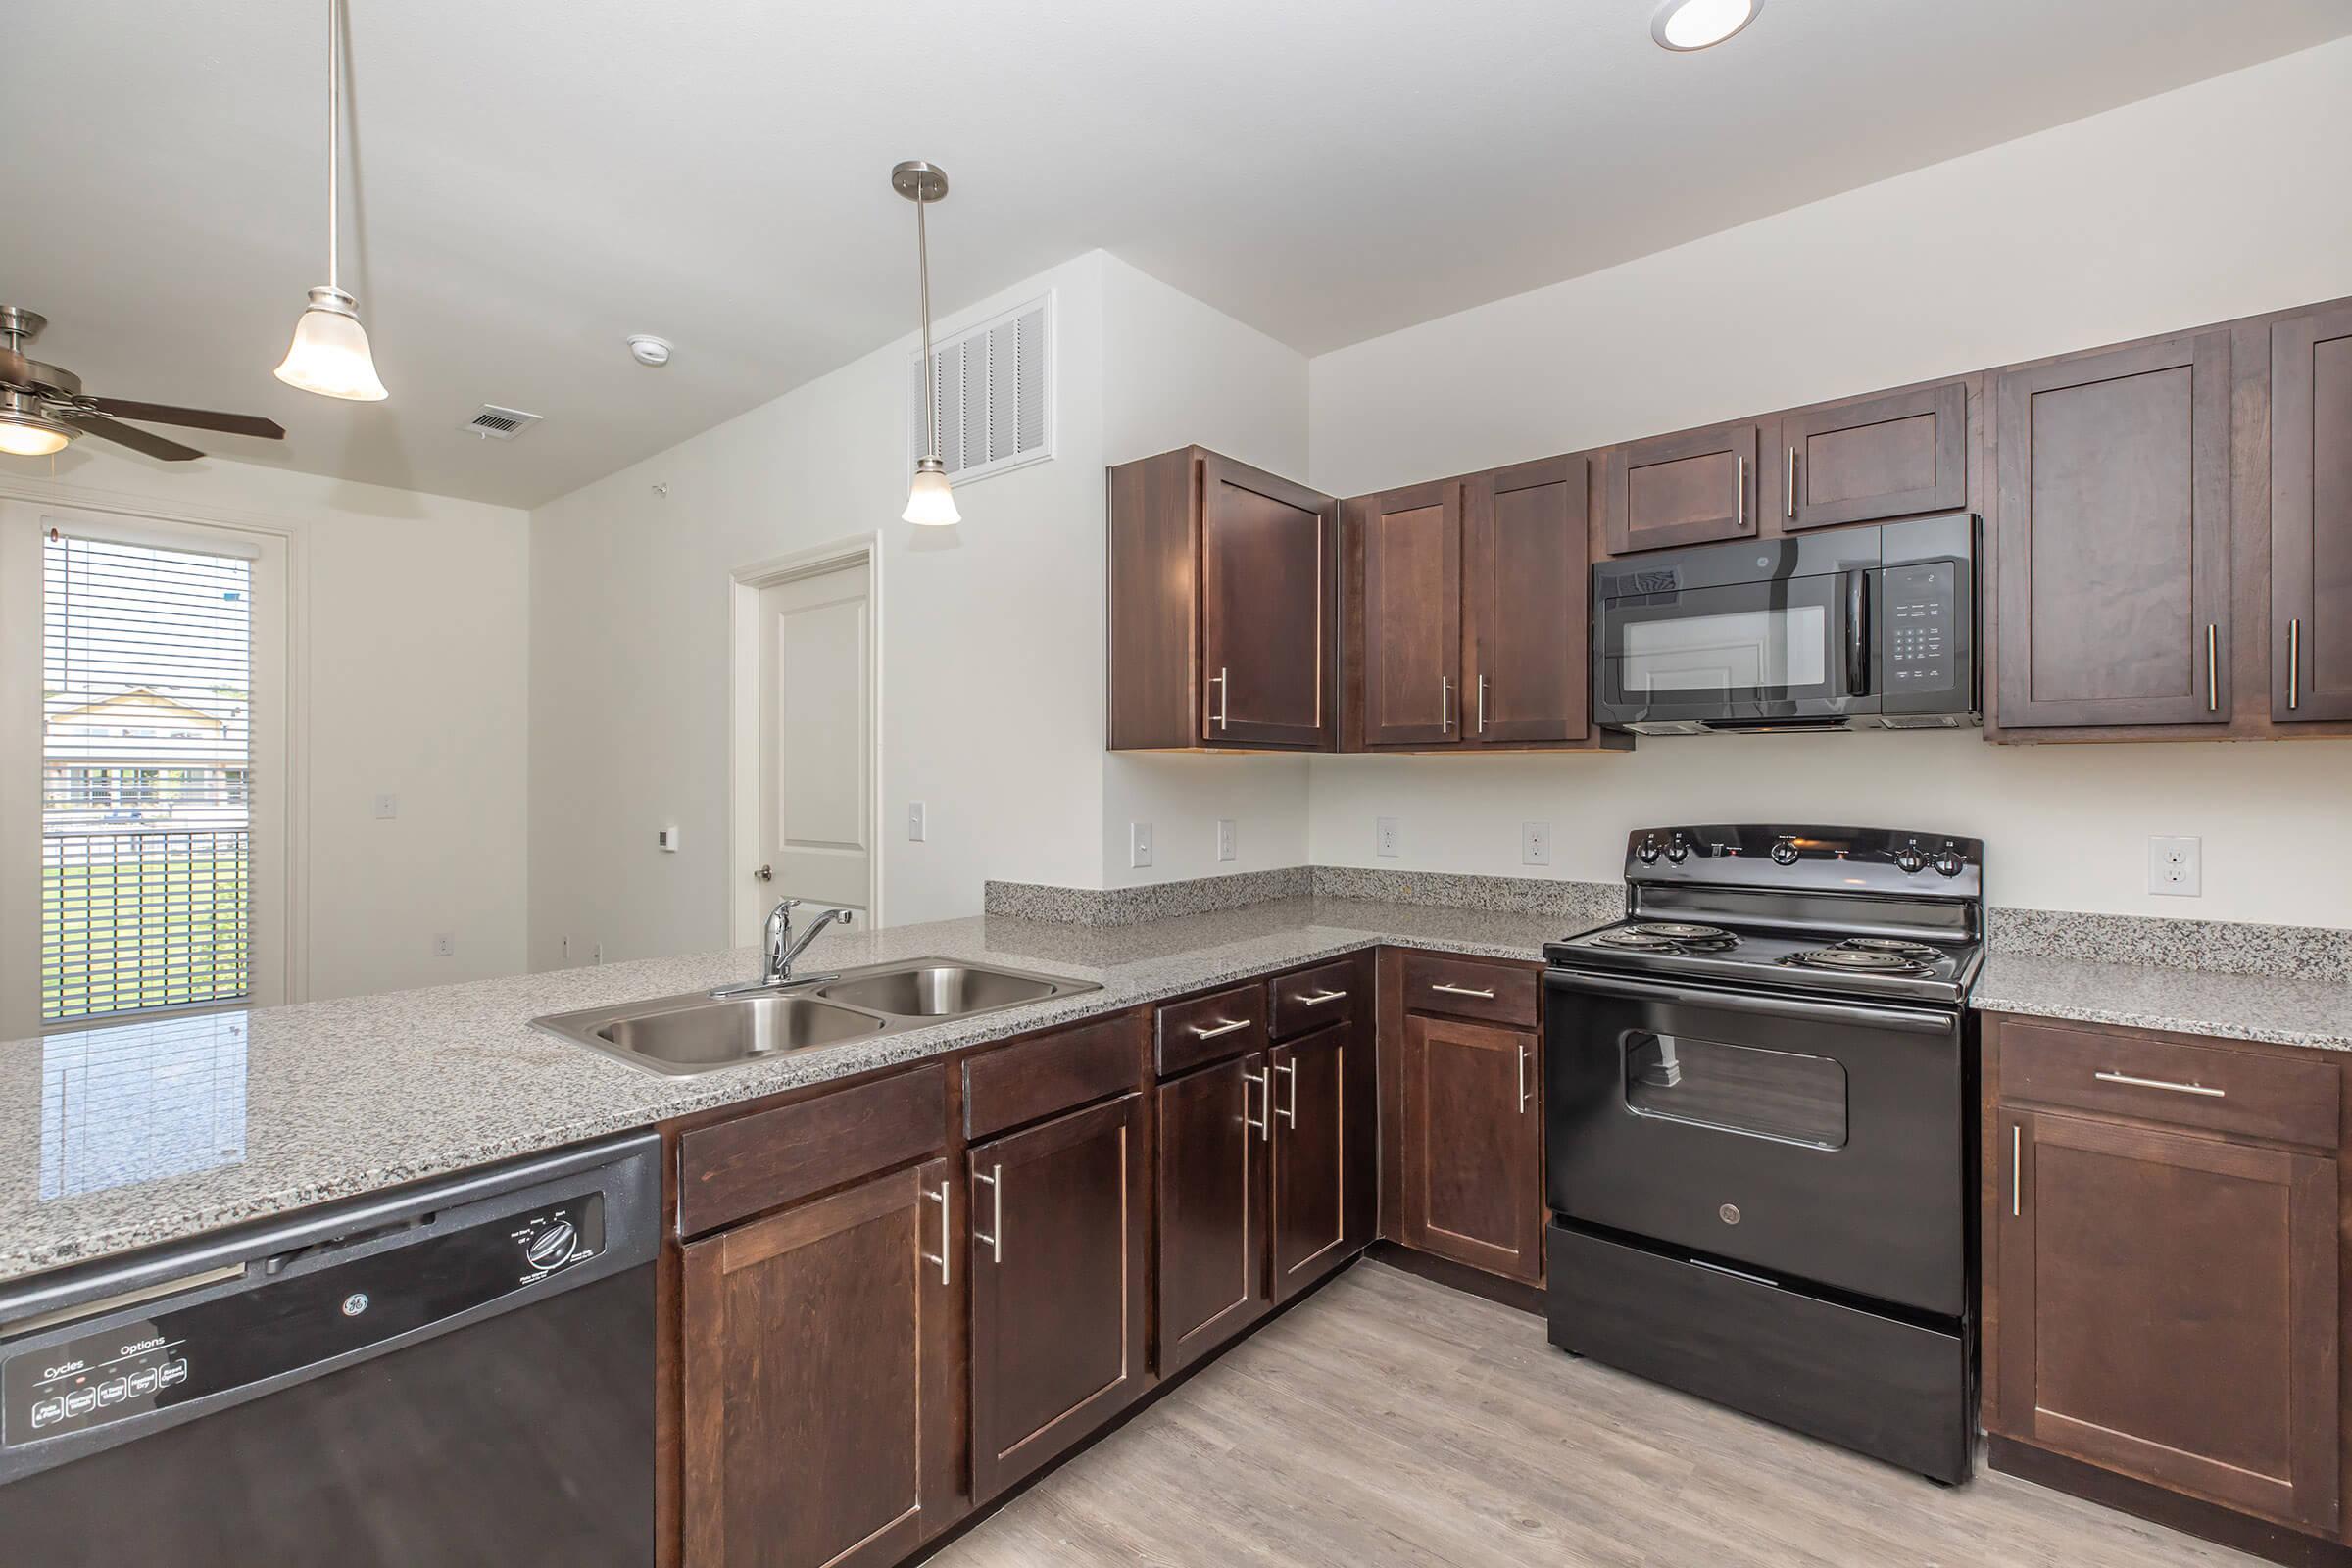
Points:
[(388, 807), (1535, 844), (1386, 837), (1228, 839), (916, 826), (445, 945), (1139, 844), (2176, 866)]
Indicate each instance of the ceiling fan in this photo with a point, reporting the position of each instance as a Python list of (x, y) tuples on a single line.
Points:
[(43, 407)]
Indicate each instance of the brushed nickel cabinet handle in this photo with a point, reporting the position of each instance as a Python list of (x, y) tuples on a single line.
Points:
[(1454, 990), (2294, 663), (1222, 680), (2017, 1146), (940, 1198), (1263, 1128), (1316, 999), (1740, 494), (1792, 482), (2161, 1083), (1481, 704), (1522, 1077), (2213, 665), (1445, 704), (1206, 1032), (996, 1241), (1288, 1071)]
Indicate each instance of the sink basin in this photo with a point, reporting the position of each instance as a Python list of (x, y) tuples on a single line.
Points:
[(941, 990), (680, 1035)]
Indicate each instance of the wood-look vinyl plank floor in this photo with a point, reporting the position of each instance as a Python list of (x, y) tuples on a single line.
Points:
[(1393, 1423)]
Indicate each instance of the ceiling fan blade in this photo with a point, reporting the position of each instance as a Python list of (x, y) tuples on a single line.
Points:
[(193, 418), (132, 436), (15, 369)]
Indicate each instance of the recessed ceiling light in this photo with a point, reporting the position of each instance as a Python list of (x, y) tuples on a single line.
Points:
[(1687, 25)]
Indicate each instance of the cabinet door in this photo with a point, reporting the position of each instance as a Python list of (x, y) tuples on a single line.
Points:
[(2115, 537), (1528, 604), (1471, 1145), (2168, 1310), (1268, 563), (1896, 455), (2311, 517), (1058, 1233), (1323, 1171), (1685, 489), (1212, 1224), (1413, 616), (817, 1427)]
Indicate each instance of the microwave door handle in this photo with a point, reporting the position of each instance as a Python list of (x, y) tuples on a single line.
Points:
[(1858, 633)]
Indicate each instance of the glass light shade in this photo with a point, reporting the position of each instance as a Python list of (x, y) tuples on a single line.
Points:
[(26, 438), (1685, 24), (330, 354), (930, 502)]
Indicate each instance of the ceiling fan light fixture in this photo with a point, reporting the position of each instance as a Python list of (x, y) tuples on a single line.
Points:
[(1684, 25), (329, 352), (29, 435)]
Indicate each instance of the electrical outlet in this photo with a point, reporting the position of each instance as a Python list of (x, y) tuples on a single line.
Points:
[(1386, 839), (915, 825), (445, 945), (2177, 865), (1228, 839), (1139, 844), (596, 953), (388, 807), (1535, 844)]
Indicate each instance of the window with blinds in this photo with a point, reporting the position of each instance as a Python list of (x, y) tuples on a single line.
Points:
[(147, 772)]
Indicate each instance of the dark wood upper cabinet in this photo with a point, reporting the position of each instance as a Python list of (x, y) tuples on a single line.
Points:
[(1412, 615), (1471, 1146), (1213, 1194), (2114, 563), (2311, 517), (1689, 488), (1896, 455), (821, 1437), (2168, 1310), (1527, 605), (1223, 604), (1060, 1222)]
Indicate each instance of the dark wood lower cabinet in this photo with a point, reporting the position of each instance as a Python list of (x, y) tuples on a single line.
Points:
[(1059, 1234), (819, 1429), (1213, 1208), (1471, 1146), (1321, 1170)]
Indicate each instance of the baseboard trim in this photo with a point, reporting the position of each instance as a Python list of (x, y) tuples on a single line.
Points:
[(2192, 1516)]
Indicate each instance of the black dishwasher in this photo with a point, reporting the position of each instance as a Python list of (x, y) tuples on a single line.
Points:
[(457, 1373)]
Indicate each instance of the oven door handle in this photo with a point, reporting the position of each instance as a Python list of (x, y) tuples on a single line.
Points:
[(1858, 633), (1862, 1015)]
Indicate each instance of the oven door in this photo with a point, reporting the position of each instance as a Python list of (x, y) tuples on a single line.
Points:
[(1784, 650), (1823, 1142)]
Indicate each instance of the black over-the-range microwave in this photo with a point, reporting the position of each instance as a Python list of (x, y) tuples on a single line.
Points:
[(1843, 628)]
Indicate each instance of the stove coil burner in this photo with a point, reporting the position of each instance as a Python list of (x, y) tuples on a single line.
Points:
[(1858, 961), (1668, 936), (1902, 947)]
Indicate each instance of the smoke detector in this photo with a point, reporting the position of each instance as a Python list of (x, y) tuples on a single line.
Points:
[(650, 352)]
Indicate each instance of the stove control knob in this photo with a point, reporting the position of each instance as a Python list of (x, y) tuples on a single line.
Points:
[(1677, 852), (1909, 860), (1783, 851), (553, 1246), (1948, 861), (1648, 851)]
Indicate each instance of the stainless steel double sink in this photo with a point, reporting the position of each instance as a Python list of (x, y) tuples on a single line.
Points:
[(678, 1036)]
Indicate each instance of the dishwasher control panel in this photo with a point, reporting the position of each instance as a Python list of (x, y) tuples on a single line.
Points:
[(152, 1357)]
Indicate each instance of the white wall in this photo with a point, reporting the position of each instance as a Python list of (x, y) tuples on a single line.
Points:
[(2218, 200), (412, 662)]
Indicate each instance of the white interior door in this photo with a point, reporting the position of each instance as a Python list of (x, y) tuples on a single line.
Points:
[(815, 741)]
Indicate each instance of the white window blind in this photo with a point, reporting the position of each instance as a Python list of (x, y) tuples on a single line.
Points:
[(147, 771)]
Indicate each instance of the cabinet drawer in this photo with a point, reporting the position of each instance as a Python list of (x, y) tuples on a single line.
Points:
[(2214, 1089), (1047, 1074), (1210, 1028), (771, 1157), (1468, 989), (1333, 993)]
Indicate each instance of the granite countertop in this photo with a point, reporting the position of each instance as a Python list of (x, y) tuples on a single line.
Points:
[(2314, 1012), (117, 1137)]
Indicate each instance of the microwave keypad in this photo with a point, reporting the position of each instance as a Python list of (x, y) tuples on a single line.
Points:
[(1919, 634)]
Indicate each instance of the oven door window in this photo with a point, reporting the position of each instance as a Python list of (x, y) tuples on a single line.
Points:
[(1751, 645), (1780, 1094)]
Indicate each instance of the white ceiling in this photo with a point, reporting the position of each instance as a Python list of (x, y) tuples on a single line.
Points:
[(535, 179)]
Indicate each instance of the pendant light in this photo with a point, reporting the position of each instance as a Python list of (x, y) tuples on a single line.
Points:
[(330, 354), (930, 502)]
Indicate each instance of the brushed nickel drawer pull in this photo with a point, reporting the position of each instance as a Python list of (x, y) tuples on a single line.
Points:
[(2160, 1083), (2212, 666), (1316, 999), (1262, 1127), (1453, 990), (1290, 1115), (940, 1198), (1522, 1077), (995, 1241), (1792, 482), (2017, 1147), (1225, 1028), (2294, 663)]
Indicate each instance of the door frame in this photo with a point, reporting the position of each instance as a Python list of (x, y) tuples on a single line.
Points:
[(746, 910), (280, 951)]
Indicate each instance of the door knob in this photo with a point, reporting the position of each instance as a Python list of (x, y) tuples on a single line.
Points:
[(766, 873)]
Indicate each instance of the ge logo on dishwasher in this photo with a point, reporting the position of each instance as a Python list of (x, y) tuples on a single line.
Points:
[(355, 1303)]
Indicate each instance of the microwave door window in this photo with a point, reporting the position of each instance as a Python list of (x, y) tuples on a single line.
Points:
[(1717, 654)]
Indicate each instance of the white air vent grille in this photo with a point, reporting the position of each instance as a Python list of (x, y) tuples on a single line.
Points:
[(500, 425), (996, 394)]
